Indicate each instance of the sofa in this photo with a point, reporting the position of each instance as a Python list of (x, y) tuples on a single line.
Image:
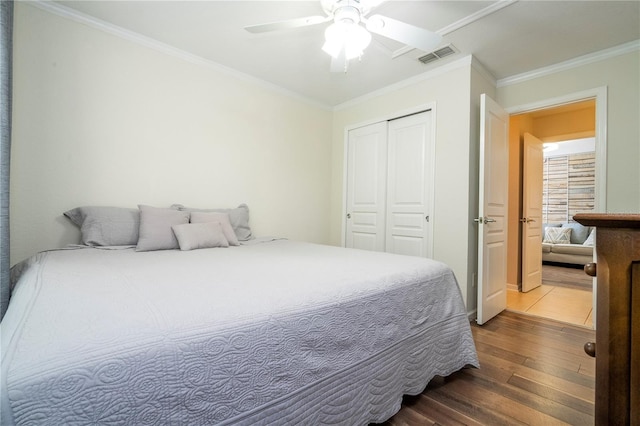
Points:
[(571, 243)]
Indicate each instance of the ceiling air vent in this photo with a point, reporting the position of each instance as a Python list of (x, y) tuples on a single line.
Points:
[(437, 54)]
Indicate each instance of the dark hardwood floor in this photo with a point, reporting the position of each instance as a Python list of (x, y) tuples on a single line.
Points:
[(533, 371)]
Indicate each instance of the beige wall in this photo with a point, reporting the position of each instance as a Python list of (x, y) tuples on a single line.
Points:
[(450, 92), (621, 76), (99, 120)]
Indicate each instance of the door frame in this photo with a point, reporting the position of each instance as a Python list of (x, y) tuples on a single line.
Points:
[(599, 94), (429, 106)]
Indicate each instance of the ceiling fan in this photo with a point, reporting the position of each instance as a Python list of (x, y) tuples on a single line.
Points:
[(346, 38)]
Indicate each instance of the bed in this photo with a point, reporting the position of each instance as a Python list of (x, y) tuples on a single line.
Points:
[(271, 331)]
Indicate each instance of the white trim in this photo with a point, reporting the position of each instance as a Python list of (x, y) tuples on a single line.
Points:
[(107, 27), (461, 23), (443, 69), (602, 55), (467, 20)]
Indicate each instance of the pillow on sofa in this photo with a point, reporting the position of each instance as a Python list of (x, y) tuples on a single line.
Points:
[(591, 239), (579, 232), (549, 225), (106, 226), (557, 236)]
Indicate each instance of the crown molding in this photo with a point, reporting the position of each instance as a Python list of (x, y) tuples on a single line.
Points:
[(442, 69), (151, 43), (632, 46)]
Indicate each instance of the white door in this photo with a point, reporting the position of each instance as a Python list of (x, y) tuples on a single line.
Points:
[(531, 220), (492, 220), (409, 182), (366, 187)]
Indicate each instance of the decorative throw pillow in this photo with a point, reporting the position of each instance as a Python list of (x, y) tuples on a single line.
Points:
[(239, 218), (193, 236), (549, 225), (222, 219), (155, 228), (557, 236), (106, 226), (591, 239), (579, 232)]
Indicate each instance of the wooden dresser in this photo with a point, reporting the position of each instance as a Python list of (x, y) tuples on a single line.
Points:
[(617, 345)]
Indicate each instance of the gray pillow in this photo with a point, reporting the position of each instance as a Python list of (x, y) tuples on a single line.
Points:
[(155, 228), (106, 226), (222, 219), (239, 218), (579, 232), (193, 236)]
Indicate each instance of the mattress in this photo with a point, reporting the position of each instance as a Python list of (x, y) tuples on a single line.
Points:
[(279, 332)]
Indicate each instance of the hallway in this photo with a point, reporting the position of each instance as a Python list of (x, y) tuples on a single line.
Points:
[(565, 295)]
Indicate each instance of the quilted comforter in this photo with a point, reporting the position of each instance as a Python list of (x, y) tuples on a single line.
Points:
[(280, 332)]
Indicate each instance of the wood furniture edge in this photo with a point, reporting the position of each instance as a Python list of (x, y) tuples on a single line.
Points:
[(609, 220)]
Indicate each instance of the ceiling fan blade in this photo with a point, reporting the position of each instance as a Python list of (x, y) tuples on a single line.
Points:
[(285, 25), (404, 33)]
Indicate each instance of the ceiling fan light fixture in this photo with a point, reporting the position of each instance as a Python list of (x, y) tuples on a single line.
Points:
[(349, 36)]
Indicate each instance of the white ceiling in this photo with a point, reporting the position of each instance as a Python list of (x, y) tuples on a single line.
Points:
[(507, 37)]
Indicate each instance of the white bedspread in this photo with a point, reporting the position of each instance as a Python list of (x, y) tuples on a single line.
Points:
[(275, 333)]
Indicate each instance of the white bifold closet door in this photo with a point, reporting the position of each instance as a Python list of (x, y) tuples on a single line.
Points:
[(390, 186)]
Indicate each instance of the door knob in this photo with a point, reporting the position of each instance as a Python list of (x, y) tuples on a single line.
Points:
[(484, 220), (527, 220), (591, 269), (590, 349)]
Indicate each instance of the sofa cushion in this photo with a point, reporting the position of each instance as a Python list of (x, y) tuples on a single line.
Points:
[(546, 247), (575, 249), (579, 232)]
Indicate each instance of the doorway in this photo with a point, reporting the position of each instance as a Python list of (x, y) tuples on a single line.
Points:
[(563, 291)]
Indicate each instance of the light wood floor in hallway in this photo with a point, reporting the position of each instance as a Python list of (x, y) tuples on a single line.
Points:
[(565, 295)]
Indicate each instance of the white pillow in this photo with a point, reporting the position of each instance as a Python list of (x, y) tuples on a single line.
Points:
[(222, 219), (591, 239), (557, 236), (193, 236)]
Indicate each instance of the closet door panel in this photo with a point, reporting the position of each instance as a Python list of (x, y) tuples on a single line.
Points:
[(408, 185), (366, 187)]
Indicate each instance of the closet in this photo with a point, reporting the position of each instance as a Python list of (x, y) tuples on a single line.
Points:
[(389, 186)]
